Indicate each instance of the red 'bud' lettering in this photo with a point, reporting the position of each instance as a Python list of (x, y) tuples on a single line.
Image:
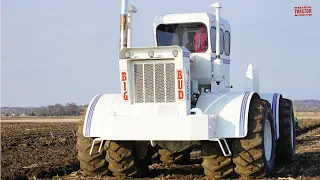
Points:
[(179, 75), (180, 94), (180, 85)]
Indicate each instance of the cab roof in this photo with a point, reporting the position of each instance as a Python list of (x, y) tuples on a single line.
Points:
[(203, 17)]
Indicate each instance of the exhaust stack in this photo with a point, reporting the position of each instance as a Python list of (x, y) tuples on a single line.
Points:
[(124, 24), (217, 63), (131, 11)]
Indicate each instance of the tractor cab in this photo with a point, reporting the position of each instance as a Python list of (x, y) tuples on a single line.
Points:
[(184, 30)]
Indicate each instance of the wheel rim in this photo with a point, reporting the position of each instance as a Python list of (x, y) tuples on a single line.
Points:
[(267, 140), (292, 133)]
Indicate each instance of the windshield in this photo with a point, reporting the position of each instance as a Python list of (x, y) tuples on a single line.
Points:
[(193, 36)]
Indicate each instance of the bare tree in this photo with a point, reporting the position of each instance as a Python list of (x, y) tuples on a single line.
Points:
[(72, 109)]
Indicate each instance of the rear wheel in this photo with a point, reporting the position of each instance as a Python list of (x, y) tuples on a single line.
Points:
[(215, 164), (285, 149), (124, 160), (94, 164), (254, 154)]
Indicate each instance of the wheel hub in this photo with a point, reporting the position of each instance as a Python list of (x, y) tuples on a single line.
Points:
[(267, 140)]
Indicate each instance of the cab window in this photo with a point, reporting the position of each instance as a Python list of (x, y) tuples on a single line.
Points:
[(227, 43), (213, 40), (183, 34), (221, 41)]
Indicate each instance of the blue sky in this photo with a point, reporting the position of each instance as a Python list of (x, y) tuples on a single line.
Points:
[(66, 51)]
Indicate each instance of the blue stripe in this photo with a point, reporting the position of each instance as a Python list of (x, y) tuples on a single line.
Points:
[(274, 109), (245, 110), (89, 118), (93, 107), (241, 114), (245, 107)]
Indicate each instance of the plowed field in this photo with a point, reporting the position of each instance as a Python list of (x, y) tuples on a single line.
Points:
[(47, 151)]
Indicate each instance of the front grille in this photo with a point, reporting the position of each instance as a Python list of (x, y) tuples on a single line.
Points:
[(154, 83)]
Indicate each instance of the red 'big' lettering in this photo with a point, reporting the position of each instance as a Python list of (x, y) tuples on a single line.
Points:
[(124, 76), (125, 96), (124, 86)]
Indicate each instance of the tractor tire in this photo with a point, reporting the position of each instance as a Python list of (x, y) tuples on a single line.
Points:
[(214, 163), (94, 164), (169, 157), (254, 154), (124, 161), (285, 149)]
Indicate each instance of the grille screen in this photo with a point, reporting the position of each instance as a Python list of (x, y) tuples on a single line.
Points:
[(154, 83)]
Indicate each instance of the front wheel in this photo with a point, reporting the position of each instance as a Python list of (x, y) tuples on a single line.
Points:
[(94, 164), (124, 160), (169, 157), (214, 163), (254, 154)]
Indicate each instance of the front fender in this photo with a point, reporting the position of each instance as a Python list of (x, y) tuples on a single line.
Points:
[(99, 108), (228, 113)]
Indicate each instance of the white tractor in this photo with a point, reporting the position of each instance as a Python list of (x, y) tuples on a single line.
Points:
[(174, 98)]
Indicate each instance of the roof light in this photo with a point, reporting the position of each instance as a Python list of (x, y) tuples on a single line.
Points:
[(127, 54), (151, 53), (175, 53)]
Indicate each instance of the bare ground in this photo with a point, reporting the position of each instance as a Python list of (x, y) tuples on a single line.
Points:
[(37, 149), (47, 151), (38, 120)]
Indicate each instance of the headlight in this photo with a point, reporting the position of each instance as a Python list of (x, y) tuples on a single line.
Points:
[(151, 53), (175, 53), (127, 54)]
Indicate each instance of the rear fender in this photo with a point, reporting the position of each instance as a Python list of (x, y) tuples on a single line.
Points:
[(228, 113), (273, 99)]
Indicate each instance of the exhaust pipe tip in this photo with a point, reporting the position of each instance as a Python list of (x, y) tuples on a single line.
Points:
[(216, 5)]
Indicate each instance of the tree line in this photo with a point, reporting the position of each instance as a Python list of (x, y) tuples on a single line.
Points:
[(306, 105), (72, 109), (69, 109)]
